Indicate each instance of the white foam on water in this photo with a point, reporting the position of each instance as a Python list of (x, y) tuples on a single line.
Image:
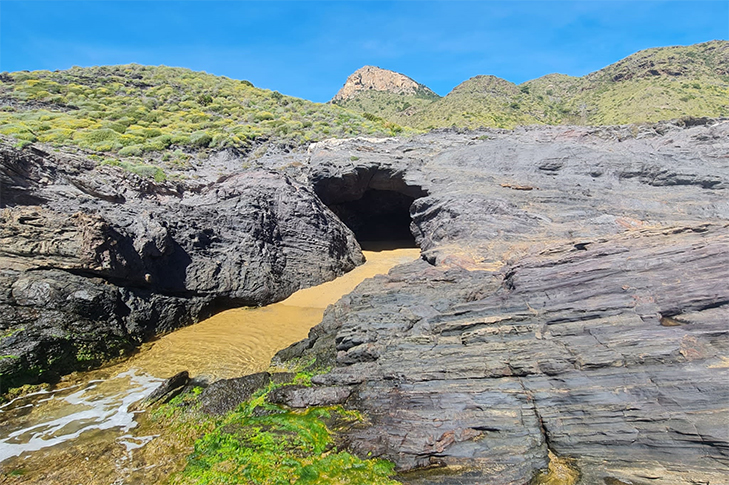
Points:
[(99, 405), (132, 442)]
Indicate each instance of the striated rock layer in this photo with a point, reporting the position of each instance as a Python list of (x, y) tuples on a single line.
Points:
[(573, 299)]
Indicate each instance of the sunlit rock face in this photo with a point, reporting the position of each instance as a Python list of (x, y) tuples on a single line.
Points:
[(573, 299), (374, 78)]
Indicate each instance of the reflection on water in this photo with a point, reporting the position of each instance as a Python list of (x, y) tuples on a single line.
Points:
[(96, 408), (48, 418)]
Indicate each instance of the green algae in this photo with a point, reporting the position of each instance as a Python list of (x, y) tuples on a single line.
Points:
[(266, 444)]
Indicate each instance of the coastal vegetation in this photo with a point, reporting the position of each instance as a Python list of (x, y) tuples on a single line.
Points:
[(163, 113), (147, 119)]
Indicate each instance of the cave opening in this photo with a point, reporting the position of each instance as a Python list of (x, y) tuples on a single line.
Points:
[(374, 204)]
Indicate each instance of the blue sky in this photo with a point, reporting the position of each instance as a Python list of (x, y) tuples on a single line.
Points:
[(307, 49)]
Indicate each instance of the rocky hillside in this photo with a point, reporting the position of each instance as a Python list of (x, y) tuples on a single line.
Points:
[(651, 85), (380, 94), (569, 310)]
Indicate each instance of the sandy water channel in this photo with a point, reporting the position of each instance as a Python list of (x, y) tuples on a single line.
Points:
[(95, 410)]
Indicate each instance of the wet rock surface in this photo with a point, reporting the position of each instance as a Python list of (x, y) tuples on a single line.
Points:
[(168, 389)]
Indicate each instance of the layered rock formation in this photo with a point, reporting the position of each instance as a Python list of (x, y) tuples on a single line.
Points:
[(95, 259), (371, 78), (574, 299)]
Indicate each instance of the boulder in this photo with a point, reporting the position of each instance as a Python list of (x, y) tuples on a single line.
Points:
[(225, 395)]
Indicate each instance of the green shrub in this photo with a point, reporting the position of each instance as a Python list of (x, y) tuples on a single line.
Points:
[(205, 99), (93, 137), (200, 139), (220, 140), (158, 144), (371, 117), (145, 171), (263, 116), (129, 110), (132, 151)]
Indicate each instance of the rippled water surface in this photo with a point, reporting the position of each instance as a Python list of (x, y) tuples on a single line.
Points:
[(83, 430)]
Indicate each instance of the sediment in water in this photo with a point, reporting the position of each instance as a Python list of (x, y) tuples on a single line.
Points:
[(52, 435)]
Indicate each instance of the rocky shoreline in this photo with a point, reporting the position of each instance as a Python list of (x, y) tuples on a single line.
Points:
[(572, 298), (94, 260)]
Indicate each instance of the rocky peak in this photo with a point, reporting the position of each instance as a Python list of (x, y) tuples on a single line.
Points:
[(377, 79)]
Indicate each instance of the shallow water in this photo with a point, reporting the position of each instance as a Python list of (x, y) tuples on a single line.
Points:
[(50, 418), (242, 341), (89, 417)]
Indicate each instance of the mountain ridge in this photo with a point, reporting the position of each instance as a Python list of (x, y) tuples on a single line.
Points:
[(648, 86), (163, 119)]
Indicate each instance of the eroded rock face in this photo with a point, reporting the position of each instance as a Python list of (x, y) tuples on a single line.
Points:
[(574, 298), (614, 355), (377, 79), (572, 295), (94, 260)]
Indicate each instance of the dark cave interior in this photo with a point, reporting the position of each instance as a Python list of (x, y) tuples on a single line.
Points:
[(374, 204), (379, 216)]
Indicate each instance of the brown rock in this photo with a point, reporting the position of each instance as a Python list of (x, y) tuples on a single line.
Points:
[(377, 79)]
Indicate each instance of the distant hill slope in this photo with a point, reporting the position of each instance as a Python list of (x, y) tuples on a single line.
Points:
[(166, 116), (163, 113), (651, 85)]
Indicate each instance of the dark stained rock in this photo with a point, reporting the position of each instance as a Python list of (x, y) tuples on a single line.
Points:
[(95, 260), (225, 395), (55, 322), (168, 389)]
